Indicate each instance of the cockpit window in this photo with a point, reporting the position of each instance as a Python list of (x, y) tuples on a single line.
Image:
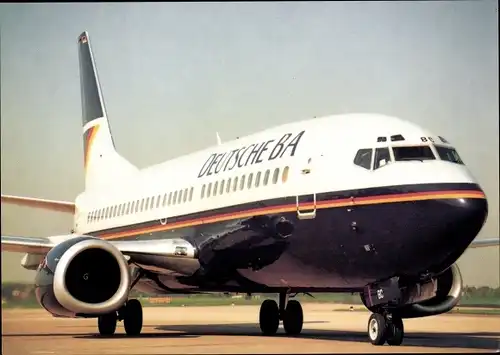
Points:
[(449, 154), (382, 157), (364, 158), (422, 152)]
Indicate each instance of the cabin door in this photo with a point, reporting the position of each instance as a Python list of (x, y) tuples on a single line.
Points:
[(306, 202)]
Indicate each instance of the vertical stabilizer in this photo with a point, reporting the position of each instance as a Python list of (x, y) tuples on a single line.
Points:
[(103, 165)]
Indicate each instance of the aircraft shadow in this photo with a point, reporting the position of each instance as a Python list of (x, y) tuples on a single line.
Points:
[(479, 340)]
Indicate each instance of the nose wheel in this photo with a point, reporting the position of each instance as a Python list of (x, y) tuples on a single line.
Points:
[(290, 312), (385, 328), (130, 313)]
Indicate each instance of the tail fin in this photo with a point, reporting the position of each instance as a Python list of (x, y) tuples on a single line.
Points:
[(103, 165)]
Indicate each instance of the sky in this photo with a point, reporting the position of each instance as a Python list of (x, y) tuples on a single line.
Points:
[(173, 74)]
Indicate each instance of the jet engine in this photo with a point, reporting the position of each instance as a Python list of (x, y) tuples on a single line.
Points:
[(439, 295), (448, 293), (83, 276)]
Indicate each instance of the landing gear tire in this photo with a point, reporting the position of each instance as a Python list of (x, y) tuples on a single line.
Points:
[(107, 324), (269, 317), (293, 318), (132, 320), (377, 329), (396, 331)]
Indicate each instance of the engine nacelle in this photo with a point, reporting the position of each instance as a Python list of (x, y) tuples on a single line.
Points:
[(440, 295), (83, 276), (448, 293)]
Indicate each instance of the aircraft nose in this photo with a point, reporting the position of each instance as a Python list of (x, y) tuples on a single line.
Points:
[(464, 218)]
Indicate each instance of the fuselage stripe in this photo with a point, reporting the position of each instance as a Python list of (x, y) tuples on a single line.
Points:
[(344, 202), (88, 144)]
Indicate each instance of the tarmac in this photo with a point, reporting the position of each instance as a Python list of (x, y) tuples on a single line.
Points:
[(224, 329)]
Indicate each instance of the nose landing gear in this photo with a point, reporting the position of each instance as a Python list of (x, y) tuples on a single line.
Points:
[(290, 312), (385, 328), (130, 313)]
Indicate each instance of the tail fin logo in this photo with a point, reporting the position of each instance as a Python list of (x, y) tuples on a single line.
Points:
[(88, 140), (83, 39)]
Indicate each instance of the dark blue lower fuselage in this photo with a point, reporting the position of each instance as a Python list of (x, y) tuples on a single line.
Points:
[(356, 237)]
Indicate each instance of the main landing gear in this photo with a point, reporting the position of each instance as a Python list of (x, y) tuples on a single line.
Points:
[(130, 313), (385, 328), (290, 312)]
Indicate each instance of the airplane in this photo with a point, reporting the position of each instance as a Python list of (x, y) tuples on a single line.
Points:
[(360, 203)]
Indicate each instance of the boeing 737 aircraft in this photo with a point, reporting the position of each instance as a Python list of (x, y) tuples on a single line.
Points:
[(359, 203)]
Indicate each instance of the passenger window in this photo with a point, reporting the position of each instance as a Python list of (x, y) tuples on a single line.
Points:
[(209, 189), (179, 200), (266, 177), (164, 203), (235, 183), (221, 187), (191, 193), (276, 175), (382, 157), (249, 181), (152, 203), (107, 213), (146, 204), (127, 211), (284, 177), (174, 199), (203, 191), (423, 152), (363, 158), (185, 195), (170, 198), (228, 185), (242, 182), (216, 185), (158, 200), (257, 179)]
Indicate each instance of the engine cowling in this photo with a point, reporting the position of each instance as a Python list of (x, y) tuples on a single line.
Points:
[(448, 294), (437, 296), (83, 276)]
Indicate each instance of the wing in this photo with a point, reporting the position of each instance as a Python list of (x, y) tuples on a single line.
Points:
[(169, 250), (481, 243), (60, 206)]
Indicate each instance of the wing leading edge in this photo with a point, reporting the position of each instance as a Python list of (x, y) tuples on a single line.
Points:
[(481, 243), (53, 205)]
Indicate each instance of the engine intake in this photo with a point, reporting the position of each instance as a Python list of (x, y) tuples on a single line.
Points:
[(83, 276)]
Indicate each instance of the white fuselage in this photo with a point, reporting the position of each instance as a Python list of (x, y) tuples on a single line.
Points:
[(322, 161)]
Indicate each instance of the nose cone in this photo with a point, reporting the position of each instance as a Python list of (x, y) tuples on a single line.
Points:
[(462, 220)]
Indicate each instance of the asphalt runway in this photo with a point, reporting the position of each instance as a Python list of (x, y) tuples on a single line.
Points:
[(226, 329)]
